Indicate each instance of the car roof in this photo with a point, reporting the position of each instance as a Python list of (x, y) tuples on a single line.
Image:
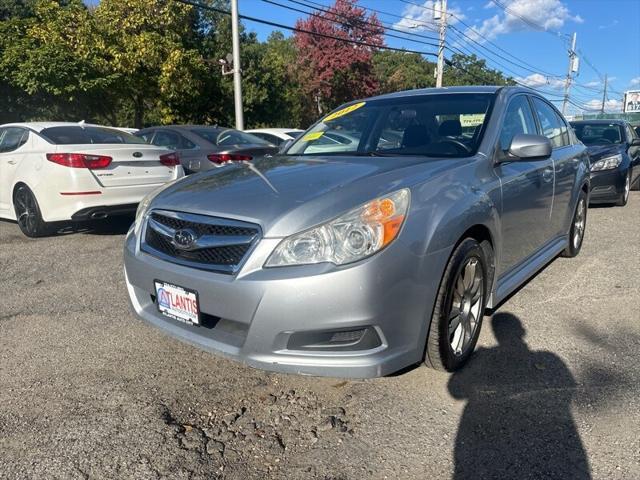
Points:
[(274, 130), (189, 127), (39, 126), (615, 121), (443, 90)]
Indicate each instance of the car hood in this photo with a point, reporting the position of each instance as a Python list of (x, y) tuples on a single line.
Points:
[(287, 194), (596, 152)]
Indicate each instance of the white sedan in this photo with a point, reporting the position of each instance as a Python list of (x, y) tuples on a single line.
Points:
[(276, 136), (52, 172)]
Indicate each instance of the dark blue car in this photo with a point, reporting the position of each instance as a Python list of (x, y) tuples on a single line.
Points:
[(614, 151)]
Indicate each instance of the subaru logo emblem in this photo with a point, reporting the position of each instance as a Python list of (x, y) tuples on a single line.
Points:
[(137, 154), (184, 238)]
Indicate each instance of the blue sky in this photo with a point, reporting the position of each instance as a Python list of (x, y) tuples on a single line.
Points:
[(608, 37)]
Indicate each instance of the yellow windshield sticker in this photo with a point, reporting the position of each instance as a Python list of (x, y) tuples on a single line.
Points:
[(312, 136), (343, 111)]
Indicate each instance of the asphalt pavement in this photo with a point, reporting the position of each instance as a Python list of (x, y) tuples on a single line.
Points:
[(88, 391)]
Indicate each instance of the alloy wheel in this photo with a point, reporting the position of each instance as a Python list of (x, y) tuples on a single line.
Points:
[(579, 223), (627, 187), (466, 306), (26, 210)]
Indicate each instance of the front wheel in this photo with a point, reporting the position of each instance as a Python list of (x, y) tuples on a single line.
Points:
[(578, 225), (625, 191), (28, 213), (459, 309)]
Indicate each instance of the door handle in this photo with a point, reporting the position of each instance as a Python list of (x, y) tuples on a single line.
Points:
[(547, 174), (12, 162)]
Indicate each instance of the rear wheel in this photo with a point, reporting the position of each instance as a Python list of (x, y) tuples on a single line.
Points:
[(578, 225), (625, 191), (28, 213), (459, 309)]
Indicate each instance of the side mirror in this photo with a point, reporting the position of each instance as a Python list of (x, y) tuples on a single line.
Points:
[(529, 147), (285, 145), (635, 142)]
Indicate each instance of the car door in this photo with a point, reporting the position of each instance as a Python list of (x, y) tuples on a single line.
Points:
[(527, 190), (634, 153), (12, 152), (566, 160)]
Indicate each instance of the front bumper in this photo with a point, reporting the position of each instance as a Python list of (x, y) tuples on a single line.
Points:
[(607, 186), (262, 316)]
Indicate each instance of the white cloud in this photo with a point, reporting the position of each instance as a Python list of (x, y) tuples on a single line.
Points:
[(635, 82), (611, 106), (536, 80), (420, 18), (608, 25), (594, 83), (552, 15)]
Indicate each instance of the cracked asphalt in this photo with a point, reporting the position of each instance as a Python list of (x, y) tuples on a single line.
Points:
[(88, 391)]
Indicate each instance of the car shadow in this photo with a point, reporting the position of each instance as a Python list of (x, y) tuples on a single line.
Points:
[(117, 225), (517, 422)]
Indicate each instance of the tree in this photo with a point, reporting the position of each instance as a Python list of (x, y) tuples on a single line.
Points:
[(470, 70), (398, 71), (50, 51), (331, 70), (147, 48)]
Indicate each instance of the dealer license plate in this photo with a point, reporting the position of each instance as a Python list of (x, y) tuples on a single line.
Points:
[(177, 302)]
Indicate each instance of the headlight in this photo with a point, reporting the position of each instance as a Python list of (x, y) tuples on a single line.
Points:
[(607, 163), (144, 204), (355, 235)]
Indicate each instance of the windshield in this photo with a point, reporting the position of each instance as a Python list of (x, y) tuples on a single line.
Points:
[(219, 136), (440, 125), (599, 133), (75, 135)]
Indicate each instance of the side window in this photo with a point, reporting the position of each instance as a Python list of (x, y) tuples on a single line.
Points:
[(168, 139), (272, 139), (146, 136), (13, 139), (186, 143), (551, 124), (631, 134), (518, 119)]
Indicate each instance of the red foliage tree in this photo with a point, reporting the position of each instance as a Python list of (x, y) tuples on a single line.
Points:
[(331, 70)]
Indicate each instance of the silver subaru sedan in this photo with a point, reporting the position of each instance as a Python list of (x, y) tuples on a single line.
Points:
[(375, 241)]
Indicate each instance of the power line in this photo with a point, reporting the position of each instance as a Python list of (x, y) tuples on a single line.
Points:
[(301, 30), (359, 25)]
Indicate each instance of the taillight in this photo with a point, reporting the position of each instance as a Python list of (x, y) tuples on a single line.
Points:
[(228, 157), (170, 159), (80, 160)]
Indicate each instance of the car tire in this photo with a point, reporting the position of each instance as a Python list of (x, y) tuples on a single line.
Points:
[(457, 315), (28, 213), (578, 226), (624, 198), (636, 184)]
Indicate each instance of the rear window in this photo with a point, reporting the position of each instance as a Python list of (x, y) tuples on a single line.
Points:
[(221, 137), (294, 134), (72, 135)]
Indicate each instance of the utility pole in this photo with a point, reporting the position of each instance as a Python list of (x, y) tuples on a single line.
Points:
[(237, 72), (604, 94), (440, 12), (573, 67)]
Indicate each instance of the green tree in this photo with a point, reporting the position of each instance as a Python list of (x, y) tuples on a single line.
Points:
[(148, 45), (470, 70), (397, 71)]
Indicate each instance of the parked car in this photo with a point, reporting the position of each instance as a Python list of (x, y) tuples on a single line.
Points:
[(203, 148), (56, 171), (614, 150), (276, 136), (359, 262)]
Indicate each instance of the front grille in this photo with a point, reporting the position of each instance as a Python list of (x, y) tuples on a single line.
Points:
[(236, 238)]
